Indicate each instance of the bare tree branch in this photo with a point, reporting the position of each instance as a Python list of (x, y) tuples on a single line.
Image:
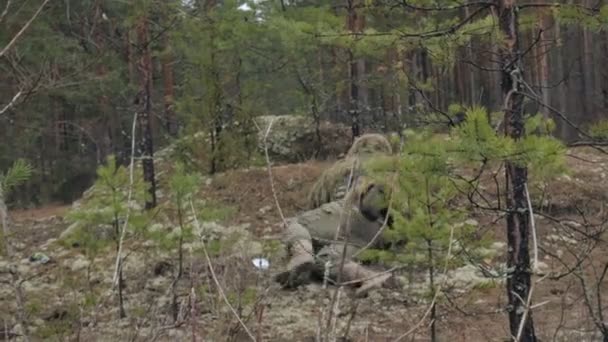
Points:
[(23, 29), (11, 103), (3, 15)]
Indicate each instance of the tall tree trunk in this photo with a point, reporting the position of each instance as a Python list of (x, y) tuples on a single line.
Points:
[(354, 24), (425, 73), (218, 116), (412, 62), (518, 260), (561, 73), (354, 97), (585, 80), (130, 55), (337, 73), (468, 73), (587, 71), (168, 87), (604, 72), (109, 136), (146, 144), (542, 56)]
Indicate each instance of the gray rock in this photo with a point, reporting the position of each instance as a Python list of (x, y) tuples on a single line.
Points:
[(81, 263), (292, 137)]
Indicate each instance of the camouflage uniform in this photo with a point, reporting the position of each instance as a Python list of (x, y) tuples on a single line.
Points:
[(316, 241)]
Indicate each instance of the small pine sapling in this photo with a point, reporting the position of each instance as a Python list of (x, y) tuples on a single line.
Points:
[(103, 216), (17, 174), (426, 212)]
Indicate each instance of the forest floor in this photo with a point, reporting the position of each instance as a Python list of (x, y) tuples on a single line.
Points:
[(69, 297)]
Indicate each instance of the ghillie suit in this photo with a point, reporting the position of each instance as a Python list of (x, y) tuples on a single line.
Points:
[(336, 181), (323, 235)]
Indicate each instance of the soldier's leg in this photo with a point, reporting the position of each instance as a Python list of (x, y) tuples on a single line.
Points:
[(301, 267), (353, 273), (299, 242)]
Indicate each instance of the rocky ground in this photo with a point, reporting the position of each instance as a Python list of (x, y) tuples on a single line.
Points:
[(54, 292)]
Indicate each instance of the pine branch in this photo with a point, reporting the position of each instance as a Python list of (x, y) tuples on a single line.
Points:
[(20, 172)]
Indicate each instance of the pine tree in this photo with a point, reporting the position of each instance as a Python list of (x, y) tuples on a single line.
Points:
[(113, 204), (17, 174)]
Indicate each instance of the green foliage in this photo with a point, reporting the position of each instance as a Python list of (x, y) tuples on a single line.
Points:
[(216, 212), (432, 180), (599, 130), (475, 140), (17, 174), (571, 14), (422, 202), (543, 155), (183, 185), (100, 219)]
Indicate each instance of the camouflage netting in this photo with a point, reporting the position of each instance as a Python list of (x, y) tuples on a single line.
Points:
[(370, 144), (332, 184)]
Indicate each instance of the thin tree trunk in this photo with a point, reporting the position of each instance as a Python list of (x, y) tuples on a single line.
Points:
[(431, 270), (146, 143), (121, 306), (518, 260), (4, 219)]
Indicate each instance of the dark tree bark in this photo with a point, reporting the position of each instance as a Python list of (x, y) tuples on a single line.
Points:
[(354, 24), (145, 101), (518, 225), (218, 117)]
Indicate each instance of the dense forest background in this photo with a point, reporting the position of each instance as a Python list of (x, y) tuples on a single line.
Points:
[(72, 82)]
